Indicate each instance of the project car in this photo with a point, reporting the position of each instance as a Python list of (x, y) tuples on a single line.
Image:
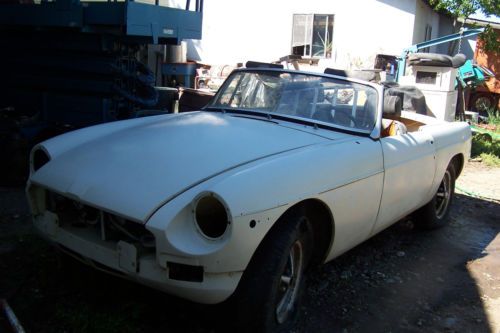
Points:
[(281, 171)]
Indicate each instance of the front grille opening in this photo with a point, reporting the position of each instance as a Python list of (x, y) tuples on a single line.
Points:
[(91, 262), (81, 218)]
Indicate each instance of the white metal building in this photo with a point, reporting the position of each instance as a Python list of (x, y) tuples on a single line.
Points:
[(346, 33)]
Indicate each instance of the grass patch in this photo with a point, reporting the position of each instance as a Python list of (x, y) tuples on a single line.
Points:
[(485, 142), (485, 147), (494, 119), (490, 159)]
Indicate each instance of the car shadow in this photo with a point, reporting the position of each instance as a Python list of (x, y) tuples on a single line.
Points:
[(400, 280), (407, 280)]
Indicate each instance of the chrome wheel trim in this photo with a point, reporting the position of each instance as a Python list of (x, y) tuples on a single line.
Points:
[(290, 282), (443, 195)]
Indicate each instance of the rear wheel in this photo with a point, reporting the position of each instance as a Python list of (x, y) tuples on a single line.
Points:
[(482, 102), (270, 291), (435, 214)]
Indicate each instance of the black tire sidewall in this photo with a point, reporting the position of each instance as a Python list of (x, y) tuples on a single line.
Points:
[(426, 217), (256, 297), (481, 95)]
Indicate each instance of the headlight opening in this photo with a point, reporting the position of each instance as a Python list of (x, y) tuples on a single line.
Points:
[(211, 216)]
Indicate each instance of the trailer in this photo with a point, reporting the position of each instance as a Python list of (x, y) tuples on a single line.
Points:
[(487, 96)]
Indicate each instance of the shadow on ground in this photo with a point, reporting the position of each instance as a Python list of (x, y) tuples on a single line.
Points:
[(401, 280)]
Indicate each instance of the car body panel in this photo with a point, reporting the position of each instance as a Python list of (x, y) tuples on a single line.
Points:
[(265, 204), (216, 287), (124, 172), (405, 156), (257, 165)]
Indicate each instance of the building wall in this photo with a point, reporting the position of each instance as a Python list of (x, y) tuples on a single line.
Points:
[(445, 28), (468, 46), (261, 30), (372, 27), (425, 16)]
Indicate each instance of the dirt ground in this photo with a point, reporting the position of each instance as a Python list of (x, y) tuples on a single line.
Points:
[(401, 280)]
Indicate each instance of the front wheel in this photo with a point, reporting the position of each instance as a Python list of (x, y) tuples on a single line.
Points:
[(435, 213), (269, 294)]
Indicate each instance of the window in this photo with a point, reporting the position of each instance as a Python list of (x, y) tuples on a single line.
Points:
[(312, 35)]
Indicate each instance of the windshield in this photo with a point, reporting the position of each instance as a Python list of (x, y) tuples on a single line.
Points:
[(336, 102)]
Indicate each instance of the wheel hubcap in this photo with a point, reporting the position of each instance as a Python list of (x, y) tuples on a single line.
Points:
[(290, 282), (443, 195)]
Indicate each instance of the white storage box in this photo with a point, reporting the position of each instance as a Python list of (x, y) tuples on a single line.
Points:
[(441, 104), (430, 78)]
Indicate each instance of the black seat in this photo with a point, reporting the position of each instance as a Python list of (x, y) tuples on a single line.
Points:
[(436, 60)]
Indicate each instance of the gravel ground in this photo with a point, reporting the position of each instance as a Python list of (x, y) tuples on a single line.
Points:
[(401, 280)]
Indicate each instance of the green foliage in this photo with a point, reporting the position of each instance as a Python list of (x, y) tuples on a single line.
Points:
[(490, 159), (486, 148), (494, 118), (490, 7), (491, 41), (465, 8), (457, 8)]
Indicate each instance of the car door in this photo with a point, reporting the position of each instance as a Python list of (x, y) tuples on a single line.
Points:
[(409, 167)]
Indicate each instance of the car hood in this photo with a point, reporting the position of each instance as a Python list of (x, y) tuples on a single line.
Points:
[(133, 167)]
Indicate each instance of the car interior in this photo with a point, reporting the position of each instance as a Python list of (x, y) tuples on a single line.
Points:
[(392, 121)]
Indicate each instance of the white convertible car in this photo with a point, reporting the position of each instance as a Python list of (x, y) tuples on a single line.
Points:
[(282, 170)]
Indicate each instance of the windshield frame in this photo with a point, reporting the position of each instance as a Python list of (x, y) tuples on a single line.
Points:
[(374, 133)]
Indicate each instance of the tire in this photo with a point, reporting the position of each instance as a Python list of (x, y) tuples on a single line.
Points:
[(435, 213), (269, 293), (482, 102)]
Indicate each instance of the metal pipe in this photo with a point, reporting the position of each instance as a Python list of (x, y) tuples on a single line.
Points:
[(188, 4)]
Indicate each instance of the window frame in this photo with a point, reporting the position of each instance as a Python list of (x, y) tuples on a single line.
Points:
[(311, 35)]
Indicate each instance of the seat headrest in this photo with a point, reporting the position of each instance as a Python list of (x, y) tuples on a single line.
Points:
[(392, 106)]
